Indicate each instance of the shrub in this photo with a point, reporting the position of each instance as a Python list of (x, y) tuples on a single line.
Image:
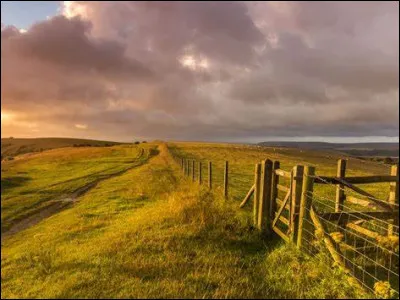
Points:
[(388, 160)]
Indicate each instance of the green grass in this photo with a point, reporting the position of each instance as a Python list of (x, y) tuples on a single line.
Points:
[(150, 233), (243, 158), (30, 184)]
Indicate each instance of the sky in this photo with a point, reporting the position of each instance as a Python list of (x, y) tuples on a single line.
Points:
[(201, 71)]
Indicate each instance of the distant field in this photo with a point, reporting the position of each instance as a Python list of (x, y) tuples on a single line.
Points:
[(243, 158), (378, 150), (17, 146)]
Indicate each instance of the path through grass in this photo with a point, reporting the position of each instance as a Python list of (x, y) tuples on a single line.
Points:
[(150, 233)]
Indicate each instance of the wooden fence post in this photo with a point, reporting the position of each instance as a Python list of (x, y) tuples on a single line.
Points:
[(256, 196), (200, 179), (305, 204), (193, 162), (182, 163), (340, 195), (274, 189), (187, 167), (226, 180), (210, 175), (394, 192), (296, 197), (264, 220)]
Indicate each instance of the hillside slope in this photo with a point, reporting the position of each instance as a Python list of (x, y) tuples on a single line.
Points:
[(356, 149), (17, 146), (39, 181), (150, 233)]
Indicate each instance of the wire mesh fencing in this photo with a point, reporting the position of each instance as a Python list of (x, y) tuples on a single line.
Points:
[(363, 240), (364, 243)]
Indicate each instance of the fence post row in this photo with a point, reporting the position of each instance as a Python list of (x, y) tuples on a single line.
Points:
[(394, 193), (274, 189), (226, 180), (193, 161), (184, 166), (305, 204), (257, 173), (264, 220), (295, 200), (210, 175), (200, 179), (340, 195)]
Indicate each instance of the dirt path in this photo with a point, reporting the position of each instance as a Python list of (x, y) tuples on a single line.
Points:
[(65, 201)]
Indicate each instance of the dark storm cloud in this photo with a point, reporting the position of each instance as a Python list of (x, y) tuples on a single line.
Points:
[(207, 70)]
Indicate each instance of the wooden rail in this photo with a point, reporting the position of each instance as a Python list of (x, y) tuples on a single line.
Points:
[(356, 179), (355, 215), (297, 213)]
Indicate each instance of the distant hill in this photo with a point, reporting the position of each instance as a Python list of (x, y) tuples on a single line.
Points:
[(355, 149), (17, 146)]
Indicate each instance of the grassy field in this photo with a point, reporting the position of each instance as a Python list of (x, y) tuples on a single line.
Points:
[(11, 147), (243, 158), (150, 233), (33, 183)]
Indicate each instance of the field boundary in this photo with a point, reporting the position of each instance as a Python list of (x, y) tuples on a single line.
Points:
[(359, 234)]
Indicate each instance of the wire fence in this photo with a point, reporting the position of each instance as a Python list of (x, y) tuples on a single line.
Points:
[(365, 245), (239, 177), (361, 239)]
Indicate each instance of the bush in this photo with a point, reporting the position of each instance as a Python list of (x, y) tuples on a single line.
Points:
[(388, 160), (137, 142)]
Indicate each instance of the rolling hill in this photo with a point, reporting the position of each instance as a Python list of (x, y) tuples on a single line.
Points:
[(17, 146), (355, 149), (123, 222)]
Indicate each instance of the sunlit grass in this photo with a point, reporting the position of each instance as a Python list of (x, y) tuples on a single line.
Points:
[(28, 184), (242, 159), (150, 233)]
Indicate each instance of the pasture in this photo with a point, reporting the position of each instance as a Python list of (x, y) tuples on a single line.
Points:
[(144, 230)]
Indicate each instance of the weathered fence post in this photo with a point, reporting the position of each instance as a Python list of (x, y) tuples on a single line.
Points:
[(394, 192), (305, 204), (210, 175), (200, 179), (296, 197), (182, 163), (256, 196), (193, 162), (187, 167), (274, 189), (340, 196), (226, 180), (264, 220)]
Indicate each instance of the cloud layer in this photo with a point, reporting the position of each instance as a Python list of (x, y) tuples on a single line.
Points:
[(205, 70)]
